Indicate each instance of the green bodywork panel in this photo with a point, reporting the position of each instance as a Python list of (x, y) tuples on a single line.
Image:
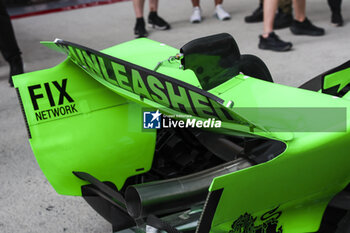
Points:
[(303, 179), (341, 78), (296, 186), (97, 132), (103, 134)]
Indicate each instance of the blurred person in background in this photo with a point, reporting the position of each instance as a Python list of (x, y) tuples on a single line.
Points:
[(8, 44), (301, 25), (154, 20), (283, 16), (220, 13), (336, 17)]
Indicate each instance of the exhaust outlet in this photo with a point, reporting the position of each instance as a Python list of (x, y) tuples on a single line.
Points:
[(176, 194)]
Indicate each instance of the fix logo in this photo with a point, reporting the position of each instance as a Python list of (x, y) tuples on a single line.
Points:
[(35, 95), (59, 106)]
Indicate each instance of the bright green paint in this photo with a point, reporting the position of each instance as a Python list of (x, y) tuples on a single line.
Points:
[(105, 140), (138, 85), (341, 78), (159, 96)]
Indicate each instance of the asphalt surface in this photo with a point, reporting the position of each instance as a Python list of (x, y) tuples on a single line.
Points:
[(27, 201)]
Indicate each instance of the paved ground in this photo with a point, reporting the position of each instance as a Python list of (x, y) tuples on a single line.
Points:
[(27, 201)]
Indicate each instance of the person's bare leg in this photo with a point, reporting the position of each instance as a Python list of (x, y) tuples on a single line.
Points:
[(270, 7), (269, 40), (299, 10), (154, 20), (196, 16), (138, 7), (301, 24), (217, 2), (139, 29), (221, 14), (153, 5), (195, 3)]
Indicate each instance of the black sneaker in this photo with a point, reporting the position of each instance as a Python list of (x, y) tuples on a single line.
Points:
[(282, 20), (256, 16), (274, 43), (337, 20), (16, 67), (306, 28), (157, 22), (139, 29)]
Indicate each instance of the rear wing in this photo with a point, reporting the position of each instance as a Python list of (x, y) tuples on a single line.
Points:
[(153, 89)]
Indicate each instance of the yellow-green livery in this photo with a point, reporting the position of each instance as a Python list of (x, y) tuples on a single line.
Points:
[(197, 139)]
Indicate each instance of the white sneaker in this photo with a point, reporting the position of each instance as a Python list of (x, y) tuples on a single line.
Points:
[(196, 15), (221, 13)]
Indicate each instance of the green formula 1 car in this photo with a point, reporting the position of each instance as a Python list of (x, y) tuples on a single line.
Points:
[(158, 139)]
